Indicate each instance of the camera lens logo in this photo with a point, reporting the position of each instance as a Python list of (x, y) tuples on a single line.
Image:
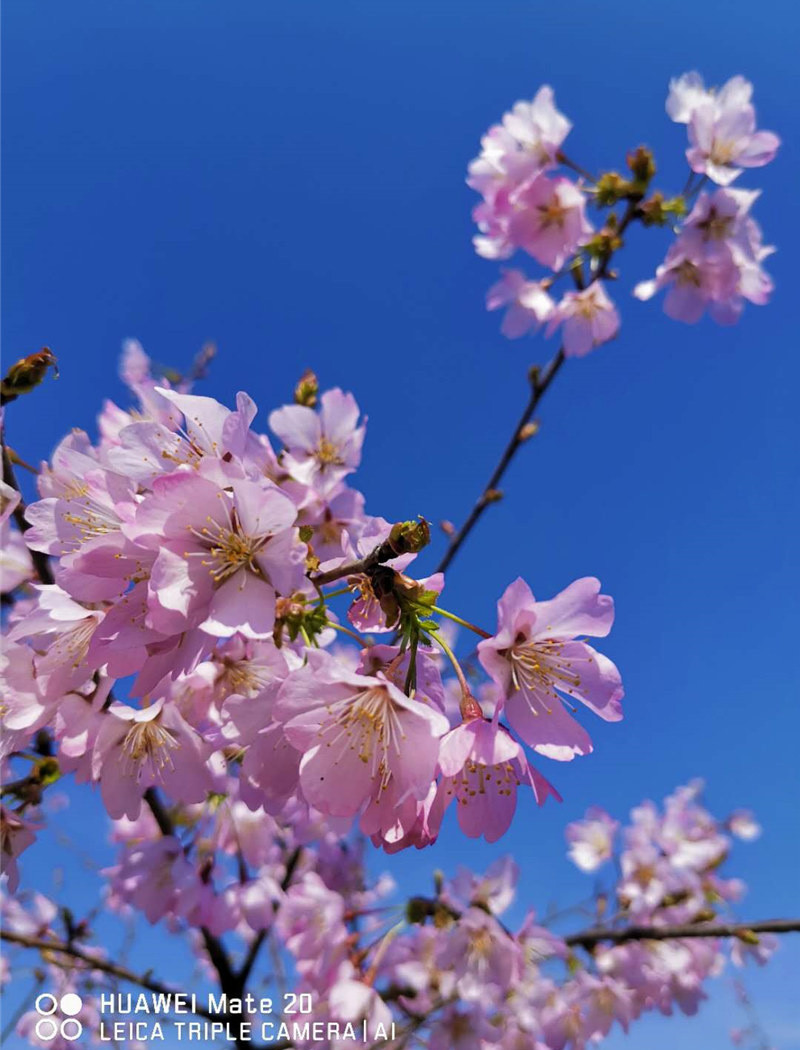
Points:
[(51, 1024)]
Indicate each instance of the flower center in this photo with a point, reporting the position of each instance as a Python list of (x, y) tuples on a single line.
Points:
[(539, 668), (552, 214), (716, 227), (687, 273), (148, 743), (329, 454), (90, 518), (242, 677), (722, 151), (229, 548), (371, 721)]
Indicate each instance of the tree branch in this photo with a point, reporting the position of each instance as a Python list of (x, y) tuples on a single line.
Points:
[(229, 980), (258, 940), (74, 951), (540, 382), (592, 937), (383, 552)]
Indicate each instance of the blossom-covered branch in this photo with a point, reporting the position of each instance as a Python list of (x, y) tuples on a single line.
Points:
[(182, 561)]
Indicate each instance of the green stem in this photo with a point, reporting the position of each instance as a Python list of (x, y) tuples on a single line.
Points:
[(457, 619), (451, 656), (337, 594), (345, 630), (411, 674)]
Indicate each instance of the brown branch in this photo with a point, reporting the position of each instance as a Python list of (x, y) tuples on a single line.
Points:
[(113, 969), (229, 980), (383, 552), (255, 945), (592, 937), (159, 813), (540, 382)]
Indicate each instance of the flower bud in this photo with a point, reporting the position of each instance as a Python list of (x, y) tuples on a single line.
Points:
[(610, 188), (410, 537), (748, 937), (305, 393), (470, 708), (642, 164)]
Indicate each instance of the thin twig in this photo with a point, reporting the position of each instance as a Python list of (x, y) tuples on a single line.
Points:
[(383, 552), (592, 937), (540, 382), (74, 951)]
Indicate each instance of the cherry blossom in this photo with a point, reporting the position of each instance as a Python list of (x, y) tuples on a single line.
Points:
[(722, 127), (538, 660), (528, 303), (587, 319)]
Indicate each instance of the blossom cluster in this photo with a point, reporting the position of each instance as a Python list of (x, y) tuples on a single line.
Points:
[(531, 203), (186, 644), (462, 968)]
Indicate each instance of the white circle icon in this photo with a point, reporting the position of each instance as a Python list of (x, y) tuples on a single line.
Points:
[(71, 1029), (46, 1029), (48, 1026), (46, 1004), (71, 1004)]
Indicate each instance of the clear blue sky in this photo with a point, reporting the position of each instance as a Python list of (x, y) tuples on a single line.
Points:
[(287, 180)]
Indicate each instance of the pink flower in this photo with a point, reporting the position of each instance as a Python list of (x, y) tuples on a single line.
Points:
[(765, 947), (587, 319), (548, 219), (156, 878), (154, 747), (715, 263), (494, 890), (527, 142), (537, 658), (744, 825), (62, 631), (528, 303), (338, 520), (271, 766), (220, 554), (592, 839), (481, 955), (353, 1002), (193, 431), (363, 740), (412, 823), (311, 922), (722, 127), (482, 767), (15, 559), (79, 521), (16, 835), (537, 127), (25, 707), (694, 284), (391, 663), (321, 447)]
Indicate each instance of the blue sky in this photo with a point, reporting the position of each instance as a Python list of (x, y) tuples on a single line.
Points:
[(286, 179)]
